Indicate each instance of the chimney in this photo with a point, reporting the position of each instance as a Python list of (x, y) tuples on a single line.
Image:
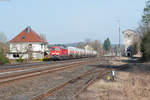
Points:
[(28, 29)]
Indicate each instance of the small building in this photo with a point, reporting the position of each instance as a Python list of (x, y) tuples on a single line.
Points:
[(88, 47), (27, 44), (130, 37)]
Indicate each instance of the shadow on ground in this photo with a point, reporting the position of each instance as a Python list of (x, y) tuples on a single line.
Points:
[(133, 65)]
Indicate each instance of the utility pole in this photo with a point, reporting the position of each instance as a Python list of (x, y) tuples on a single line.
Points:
[(119, 40)]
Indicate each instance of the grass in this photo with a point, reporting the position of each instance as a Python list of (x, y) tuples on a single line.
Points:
[(128, 86), (105, 85)]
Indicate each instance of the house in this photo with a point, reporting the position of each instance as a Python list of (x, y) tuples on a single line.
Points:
[(88, 47), (27, 44)]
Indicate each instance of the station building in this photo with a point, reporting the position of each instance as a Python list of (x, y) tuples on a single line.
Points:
[(27, 44), (130, 37)]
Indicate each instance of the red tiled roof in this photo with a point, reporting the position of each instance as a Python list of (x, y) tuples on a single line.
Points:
[(27, 35)]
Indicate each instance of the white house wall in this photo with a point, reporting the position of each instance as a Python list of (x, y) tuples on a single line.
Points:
[(37, 56), (23, 47), (10, 56)]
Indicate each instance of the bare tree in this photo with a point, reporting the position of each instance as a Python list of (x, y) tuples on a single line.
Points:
[(22, 50), (88, 42), (3, 48), (83, 44), (3, 37), (96, 45), (3, 42), (42, 36), (80, 45)]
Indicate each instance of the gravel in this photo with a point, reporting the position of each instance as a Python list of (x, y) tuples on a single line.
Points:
[(28, 88)]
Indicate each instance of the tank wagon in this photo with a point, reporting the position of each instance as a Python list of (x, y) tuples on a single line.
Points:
[(60, 52)]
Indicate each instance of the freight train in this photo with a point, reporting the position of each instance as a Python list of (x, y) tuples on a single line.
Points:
[(60, 52)]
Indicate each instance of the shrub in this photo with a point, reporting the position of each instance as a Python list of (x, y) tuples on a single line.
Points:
[(46, 59), (19, 60), (3, 58), (135, 48), (38, 60), (145, 46)]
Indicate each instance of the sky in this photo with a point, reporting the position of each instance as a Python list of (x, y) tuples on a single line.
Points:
[(69, 21)]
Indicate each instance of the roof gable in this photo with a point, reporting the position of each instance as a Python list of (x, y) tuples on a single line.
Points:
[(27, 35)]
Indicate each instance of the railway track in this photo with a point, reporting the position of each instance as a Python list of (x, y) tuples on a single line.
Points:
[(53, 86), (71, 89), (100, 75), (84, 79), (36, 64), (11, 67), (30, 72)]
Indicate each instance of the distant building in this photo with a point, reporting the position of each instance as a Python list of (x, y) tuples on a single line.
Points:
[(88, 47), (27, 44), (130, 36)]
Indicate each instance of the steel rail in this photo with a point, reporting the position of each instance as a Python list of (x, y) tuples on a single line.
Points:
[(51, 91), (9, 73), (32, 73), (94, 80), (26, 65), (90, 82)]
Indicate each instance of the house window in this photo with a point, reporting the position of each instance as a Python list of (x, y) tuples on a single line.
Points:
[(53, 49), (28, 29), (42, 45), (16, 55), (23, 37), (30, 45)]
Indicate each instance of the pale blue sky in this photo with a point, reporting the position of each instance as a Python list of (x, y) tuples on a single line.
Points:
[(67, 21)]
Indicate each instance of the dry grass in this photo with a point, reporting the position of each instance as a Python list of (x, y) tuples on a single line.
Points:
[(104, 85), (127, 87)]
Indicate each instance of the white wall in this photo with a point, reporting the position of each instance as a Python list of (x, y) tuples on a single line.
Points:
[(129, 37), (10, 56), (24, 46)]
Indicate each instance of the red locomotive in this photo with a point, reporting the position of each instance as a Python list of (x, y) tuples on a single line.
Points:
[(57, 52)]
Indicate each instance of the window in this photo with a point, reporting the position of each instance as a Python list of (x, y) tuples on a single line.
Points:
[(42, 45), (53, 49), (57, 49), (30, 45), (15, 55), (28, 29), (23, 37)]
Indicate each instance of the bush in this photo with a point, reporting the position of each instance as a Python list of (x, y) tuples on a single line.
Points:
[(135, 48), (3, 59), (145, 46), (19, 60), (46, 59), (38, 60)]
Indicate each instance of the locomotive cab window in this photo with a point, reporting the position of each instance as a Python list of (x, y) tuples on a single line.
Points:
[(57, 49), (53, 49)]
